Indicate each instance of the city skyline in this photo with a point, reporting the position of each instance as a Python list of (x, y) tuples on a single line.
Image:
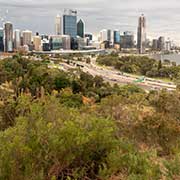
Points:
[(98, 14)]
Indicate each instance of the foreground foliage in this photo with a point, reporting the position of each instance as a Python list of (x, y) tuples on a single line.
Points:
[(75, 126)]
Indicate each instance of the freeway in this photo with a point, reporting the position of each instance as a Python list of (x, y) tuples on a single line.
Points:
[(113, 76)]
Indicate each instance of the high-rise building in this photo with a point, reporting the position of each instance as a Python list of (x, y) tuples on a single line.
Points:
[(1, 39), (161, 43), (127, 40), (17, 39), (80, 28), (66, 39), (8, 29), (141, 35), (155, 44), (58, 25), (116, 37), (56, 42), (27, 37), (168, 45), (37, 43), (70, 23), (103, 35), (109, 36), (81, 43)]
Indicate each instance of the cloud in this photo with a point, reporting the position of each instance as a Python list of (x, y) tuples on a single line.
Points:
[(162, 15)]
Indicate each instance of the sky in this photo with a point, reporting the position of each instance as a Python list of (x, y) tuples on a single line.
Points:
[(163, 17)]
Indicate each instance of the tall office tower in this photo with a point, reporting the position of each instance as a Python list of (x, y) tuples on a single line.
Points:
[(155, 44), (58, 25), (161, 43), (80, 28), (70, 23), (127, 40), (1, 39), (168, 45), (17, 39), (8, 29), (109, 36), (103, 35), (27, 37), (37, 43), (141, 35), (116, 37)]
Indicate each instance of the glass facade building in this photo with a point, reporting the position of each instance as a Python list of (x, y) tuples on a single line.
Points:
[(116, 37), (127, 40), (56, 42), (70, 25), (80, 28)]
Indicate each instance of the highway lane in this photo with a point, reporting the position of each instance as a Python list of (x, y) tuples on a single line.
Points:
[(113, 76)]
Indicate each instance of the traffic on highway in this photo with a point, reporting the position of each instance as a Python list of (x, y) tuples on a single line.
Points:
[(113, 76)]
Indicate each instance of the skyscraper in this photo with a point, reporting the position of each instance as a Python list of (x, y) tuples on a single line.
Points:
[(80, 28), (161, 43), (8, 28), (70, 23), (17, 39), (58, 25), (27, 37), (127, 40), (109, 35), (103, 35), (1, 40), (141, 35), (168, 45), (155, 44), (116, 37), (37, 42)]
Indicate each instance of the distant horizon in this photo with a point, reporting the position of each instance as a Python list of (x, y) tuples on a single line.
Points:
[(163, 18)]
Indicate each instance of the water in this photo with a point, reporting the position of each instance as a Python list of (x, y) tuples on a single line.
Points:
[(171, 57)]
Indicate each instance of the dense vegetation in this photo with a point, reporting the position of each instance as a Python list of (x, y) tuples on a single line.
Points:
[(56, 125), (141, 66)]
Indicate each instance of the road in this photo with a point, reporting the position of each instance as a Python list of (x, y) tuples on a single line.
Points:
[(113, 76)]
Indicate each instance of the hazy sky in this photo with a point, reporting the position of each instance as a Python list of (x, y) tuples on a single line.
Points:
[(163, 17)]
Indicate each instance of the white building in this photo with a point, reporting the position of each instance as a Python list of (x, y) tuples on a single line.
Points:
[(167, 45), (17, 39), (103, 35), (141, 35), (27, 37), (58, 26)]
